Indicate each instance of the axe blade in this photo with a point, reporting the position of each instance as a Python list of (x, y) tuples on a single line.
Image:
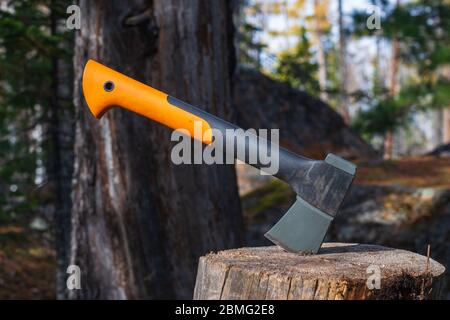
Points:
[(304, 226), (310, 225), (320, 185)]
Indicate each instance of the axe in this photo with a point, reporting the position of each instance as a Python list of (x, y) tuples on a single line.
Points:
[(320, 186)]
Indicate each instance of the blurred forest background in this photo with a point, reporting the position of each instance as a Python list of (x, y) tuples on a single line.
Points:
[(369, 80)]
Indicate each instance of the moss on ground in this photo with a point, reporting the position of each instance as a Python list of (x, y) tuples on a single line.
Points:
[(274, 194)]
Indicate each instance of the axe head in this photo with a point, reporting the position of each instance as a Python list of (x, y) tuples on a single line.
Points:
[(320, 191)]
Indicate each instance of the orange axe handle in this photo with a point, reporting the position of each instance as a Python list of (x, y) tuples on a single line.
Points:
[(320, 185), (105, 88)]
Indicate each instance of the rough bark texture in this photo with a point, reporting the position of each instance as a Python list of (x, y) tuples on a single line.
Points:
[(307, 125), (60, 159), (339, 271), (140, 223)]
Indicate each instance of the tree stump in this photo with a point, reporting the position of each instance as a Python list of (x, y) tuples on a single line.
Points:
[(338, 271)]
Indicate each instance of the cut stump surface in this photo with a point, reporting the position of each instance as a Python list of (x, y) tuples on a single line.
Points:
[(338, 271)]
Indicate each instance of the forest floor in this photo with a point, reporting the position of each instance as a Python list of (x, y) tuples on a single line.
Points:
[(417, 172), (27, 262)]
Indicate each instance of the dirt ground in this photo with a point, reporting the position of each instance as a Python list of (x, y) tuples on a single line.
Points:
[(27, 264), (415, 172)]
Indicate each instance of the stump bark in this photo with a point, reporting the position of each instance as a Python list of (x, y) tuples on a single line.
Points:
[(338, 272)]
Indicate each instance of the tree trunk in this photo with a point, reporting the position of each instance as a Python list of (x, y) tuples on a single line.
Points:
[(321, 59), (343, 90), (60, 164), (339, 272), (445, 112), (446, 125), (389, 136), (140, 222), (388, 145)]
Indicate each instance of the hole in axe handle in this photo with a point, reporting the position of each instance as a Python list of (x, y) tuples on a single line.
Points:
[(108, 86)]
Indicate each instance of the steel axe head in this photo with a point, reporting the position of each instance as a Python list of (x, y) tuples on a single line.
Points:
[(320, 185), (321, 188)]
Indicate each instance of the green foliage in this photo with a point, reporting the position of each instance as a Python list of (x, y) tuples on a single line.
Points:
[(250, 49), (386, 115), (422, 29), (427, 94), (332, 71), (250, 46), (296, 68), (28, 46)]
